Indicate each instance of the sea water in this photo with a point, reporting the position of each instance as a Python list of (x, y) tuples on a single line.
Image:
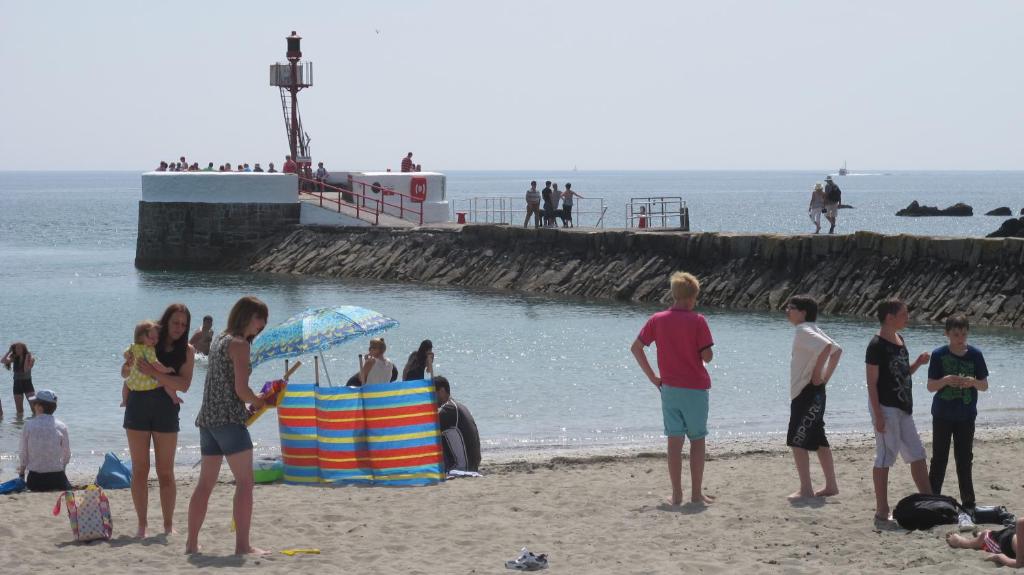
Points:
[(538, 373)]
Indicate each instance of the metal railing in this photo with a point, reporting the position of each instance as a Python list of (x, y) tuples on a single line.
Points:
[(366, 209), (512, 211), (407, 207), (658, 212), (367, 200)]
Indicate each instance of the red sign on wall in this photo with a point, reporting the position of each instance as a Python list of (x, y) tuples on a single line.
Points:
[(418, 189)]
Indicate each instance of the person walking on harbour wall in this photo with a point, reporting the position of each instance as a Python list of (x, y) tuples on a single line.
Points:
[(532, 205), (547, 210), (683, 342), (833, 199), (817, 206), (407, 165), (567, 203)]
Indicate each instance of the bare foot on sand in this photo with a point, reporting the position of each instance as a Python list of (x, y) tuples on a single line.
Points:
[(705, 499), (170, 531), (960, 542), (252, 551), (798, 495), (142, 532), (826, 492), (673, 501)]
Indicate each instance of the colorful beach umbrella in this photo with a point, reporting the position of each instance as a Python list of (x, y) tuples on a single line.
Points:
[(316, 330)]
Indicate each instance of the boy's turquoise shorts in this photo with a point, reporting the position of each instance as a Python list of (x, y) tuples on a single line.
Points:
[(685, 412)]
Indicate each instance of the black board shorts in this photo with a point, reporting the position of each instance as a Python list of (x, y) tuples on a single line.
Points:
[(807, 419), (151, 410), (23, 386)]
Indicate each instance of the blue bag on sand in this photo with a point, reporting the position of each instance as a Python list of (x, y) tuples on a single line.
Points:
[(13, 486), (114, 473)]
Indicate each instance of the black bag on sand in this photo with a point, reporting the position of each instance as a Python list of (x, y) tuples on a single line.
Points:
[(994, 515), (919, 511)]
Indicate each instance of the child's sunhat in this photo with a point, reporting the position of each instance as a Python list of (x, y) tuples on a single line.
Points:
[(45, 395)]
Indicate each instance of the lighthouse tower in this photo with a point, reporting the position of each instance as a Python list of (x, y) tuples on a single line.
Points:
[(290, 78)]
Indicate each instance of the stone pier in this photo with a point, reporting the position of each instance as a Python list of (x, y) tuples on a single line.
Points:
[(850, 274)]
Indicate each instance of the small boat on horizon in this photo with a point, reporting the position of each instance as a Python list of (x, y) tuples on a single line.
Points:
[(843, 171)]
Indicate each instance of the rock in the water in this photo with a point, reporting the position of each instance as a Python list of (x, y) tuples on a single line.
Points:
[(1004, 211), (917, 210), (1011, 228)]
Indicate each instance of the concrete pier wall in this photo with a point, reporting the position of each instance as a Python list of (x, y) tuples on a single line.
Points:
[(849, 273), (211, 220)]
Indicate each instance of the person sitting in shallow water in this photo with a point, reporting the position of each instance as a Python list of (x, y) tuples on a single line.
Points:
[(202, 337)]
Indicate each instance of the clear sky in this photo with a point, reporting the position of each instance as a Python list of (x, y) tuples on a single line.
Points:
[(480, 84)]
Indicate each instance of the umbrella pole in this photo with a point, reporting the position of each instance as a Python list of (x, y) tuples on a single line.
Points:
[(327, 373), (316, 369)]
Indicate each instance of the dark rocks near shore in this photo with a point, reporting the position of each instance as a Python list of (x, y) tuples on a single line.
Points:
[(1011, 228), (917, 210), (1004, 211), (849, 274)]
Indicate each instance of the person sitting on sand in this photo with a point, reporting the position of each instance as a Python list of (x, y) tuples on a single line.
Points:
[(376, 368), (201, 338), (1005, 547), (684, 344), (813, 361), (147, 334), (460, 438), (45, 446)]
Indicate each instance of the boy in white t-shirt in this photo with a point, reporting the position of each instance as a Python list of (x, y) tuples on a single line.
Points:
[(814, 360)]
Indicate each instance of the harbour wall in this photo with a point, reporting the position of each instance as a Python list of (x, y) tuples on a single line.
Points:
[(849, 274)]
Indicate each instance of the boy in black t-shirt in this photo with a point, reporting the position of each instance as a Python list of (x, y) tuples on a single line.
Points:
[(956, 374), (890, 396)]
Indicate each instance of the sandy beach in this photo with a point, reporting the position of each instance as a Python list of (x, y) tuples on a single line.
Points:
[(596, 514)]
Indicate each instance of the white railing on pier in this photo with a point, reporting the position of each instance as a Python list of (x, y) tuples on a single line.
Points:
[(586, 212), (658, 212)]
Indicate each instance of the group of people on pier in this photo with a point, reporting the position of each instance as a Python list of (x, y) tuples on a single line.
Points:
[(543, 205)]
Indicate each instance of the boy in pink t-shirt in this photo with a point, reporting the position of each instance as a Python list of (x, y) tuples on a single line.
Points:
[(684, 344)]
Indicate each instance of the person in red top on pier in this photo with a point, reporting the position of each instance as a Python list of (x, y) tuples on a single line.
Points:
[(290, 167), (407, 165)]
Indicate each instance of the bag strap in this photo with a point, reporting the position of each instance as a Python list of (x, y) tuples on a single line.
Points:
[(56, 508), (108, 521)]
